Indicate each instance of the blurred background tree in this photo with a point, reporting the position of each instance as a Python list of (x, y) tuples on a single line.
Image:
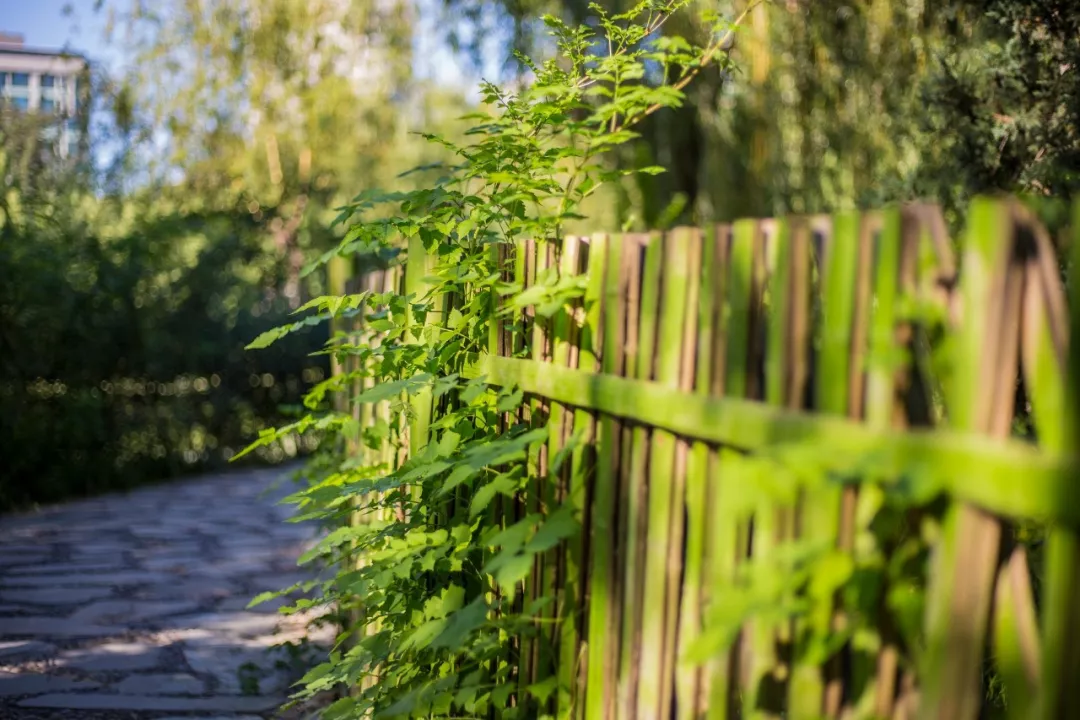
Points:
[(838, 103), (129, 283), (279, 108)]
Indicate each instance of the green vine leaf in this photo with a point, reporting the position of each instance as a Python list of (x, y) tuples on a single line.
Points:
[(406, 475)]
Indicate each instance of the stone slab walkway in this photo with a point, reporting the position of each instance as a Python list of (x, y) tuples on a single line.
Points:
[(133, 606)]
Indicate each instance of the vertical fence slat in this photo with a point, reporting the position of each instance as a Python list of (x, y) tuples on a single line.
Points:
[(692, 689), (878, 683), (959, 595), (1061, 596), (495, 325), (839, 280), (537, 259), (573, 663), (882, 366), (657, 631), (1016, 652), (555, 580), (839, 268), (521, 278), (419, 266), (603, 604), (774, 522), (630, 484), (1044, 331), (635, 517), (685, 546), (720, 541), (761, 692), (729, 540)]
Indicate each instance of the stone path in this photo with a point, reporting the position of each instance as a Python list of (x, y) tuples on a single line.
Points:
[(133, 606)]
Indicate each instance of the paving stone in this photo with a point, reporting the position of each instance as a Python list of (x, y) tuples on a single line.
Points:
[(170, 564), (195, 635), (65, 568), (239, 603), (322, 635), (280, 581), (228, 624), (113, 579), (257, 557), (18, 553), (9, 558), (109, 612), (217, 538), (174, 553), (15, 609), (37, 626), (161, 684), (228, 663), (189, 589), (22, 650), (113, 657), (12, 684), (242, 545), (153, 703), (101, 550), (164, 536), (235, 569), (55, 596), (36, 536)]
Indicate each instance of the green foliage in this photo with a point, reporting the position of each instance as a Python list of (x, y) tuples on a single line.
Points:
[(130, 284), (888, 101), (428, 571), (287, 109), (122, 325), (122, 350), (856, 105)]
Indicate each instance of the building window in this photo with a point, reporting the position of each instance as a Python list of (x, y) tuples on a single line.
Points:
[(52, 93), (18, 90)]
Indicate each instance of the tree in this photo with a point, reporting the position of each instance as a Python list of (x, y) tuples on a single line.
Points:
[(277, 108), (127, 295), (861, 103)]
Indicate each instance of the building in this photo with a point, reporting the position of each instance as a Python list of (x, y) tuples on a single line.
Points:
[(47, 83)]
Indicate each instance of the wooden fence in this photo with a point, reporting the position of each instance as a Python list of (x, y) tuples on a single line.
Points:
[(709, 382)]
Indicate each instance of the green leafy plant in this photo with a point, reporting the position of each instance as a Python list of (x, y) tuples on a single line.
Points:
[(426, 576)]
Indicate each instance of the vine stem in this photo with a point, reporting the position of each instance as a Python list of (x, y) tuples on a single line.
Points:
[(650, 28), (710, 52)]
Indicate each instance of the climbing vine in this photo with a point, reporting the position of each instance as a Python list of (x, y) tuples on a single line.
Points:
[(426, 581)]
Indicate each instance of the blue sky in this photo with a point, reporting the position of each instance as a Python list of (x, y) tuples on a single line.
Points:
[(45, 25)]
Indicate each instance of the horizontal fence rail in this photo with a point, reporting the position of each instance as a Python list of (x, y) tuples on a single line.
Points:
[(1049, 492), (728, 407)]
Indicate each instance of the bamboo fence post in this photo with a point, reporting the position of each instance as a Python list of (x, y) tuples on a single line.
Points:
[(1061, 622), (980, 399)]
